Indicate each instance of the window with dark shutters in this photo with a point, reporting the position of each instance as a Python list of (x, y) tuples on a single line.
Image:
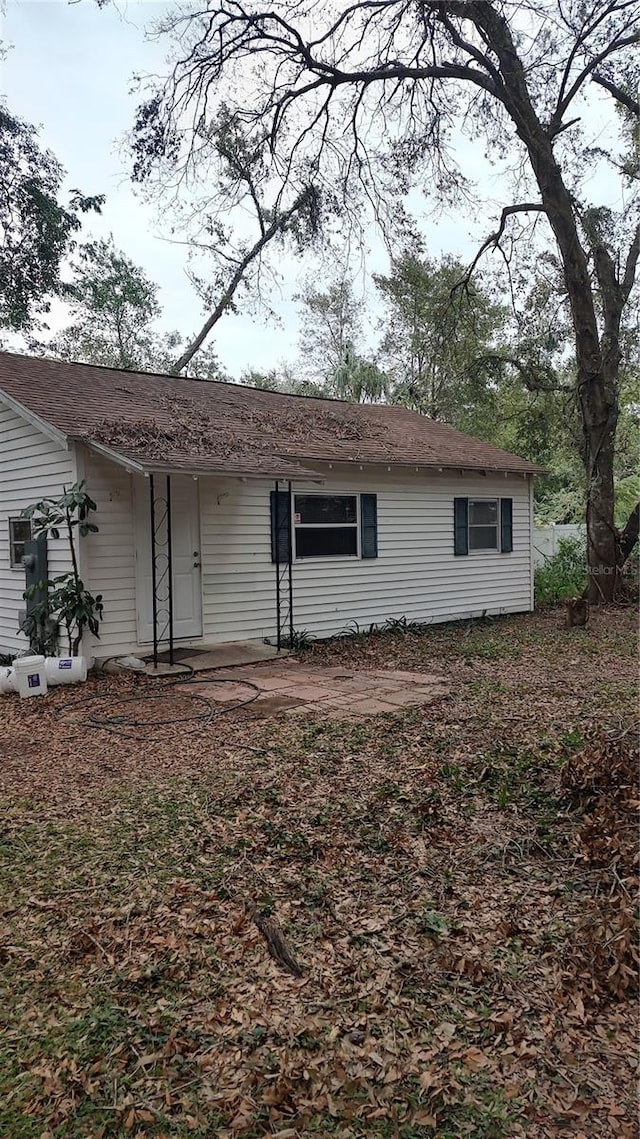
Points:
[(481, 525), (315, 525)]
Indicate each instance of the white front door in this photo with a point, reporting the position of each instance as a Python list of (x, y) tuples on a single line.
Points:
[(185, 557)]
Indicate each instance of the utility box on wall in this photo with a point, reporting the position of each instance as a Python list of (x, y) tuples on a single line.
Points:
[(34, 562), (36, 572)]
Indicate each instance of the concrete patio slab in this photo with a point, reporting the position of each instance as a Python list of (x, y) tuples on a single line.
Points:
[(231, 693), (402, 697), (309, 692), (272, 703), (296, 689), (273, 683), (370, 707)]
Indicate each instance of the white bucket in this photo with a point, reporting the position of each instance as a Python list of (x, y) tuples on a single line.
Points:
[(7, 679), (30, 676), (65, 670)]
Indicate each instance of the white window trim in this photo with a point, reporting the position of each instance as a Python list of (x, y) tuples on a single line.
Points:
[(487, 549), (17, 567), (326, 526)]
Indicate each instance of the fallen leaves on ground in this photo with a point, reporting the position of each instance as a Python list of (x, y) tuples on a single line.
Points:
[(431, 872)]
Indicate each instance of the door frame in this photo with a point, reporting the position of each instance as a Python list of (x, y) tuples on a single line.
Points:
[(142, 559)]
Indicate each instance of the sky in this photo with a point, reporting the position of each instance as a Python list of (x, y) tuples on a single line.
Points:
[(69, 70)]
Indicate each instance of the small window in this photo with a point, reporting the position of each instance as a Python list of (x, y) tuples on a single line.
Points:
[(326, 525), (483, 524), (19, 533)]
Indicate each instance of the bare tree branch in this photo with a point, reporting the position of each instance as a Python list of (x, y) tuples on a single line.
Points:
[(494, 238), (278, 226), (531, 377), (590, 24), (621, 96), (588, 69)]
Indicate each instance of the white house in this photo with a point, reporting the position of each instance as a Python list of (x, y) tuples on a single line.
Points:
[(264, 512)]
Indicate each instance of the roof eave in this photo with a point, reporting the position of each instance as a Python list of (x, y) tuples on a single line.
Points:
[(158, 467), (439, 467), (130, 465)]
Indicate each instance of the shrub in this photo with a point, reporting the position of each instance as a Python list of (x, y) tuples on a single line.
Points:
[(563, 575)]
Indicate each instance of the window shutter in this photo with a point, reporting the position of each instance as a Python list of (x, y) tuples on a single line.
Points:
[(369, 525), (460, 526), (280, 526), (506, 525)]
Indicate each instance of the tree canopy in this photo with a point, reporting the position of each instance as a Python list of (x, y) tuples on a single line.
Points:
[(440, 344), (233, 217), (36, 229), (330, 320), (113, 306), (113, 309)]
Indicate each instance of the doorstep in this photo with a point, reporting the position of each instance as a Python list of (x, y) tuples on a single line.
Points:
[(205, 657)]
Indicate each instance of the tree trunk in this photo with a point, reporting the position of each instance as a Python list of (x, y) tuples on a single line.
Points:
[(597, 360), (602, 562), (600, 421)]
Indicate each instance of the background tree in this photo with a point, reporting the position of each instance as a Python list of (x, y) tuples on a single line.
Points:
[(331, 344), (36, 229), (330, 320), (284, 378), (415, 74), (114, 307), (358, 379), (438, 342), (538, 414)]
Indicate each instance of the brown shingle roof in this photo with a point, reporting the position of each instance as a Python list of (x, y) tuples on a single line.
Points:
[(165, 422)]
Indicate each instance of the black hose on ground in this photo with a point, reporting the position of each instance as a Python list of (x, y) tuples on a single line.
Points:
[(123, 724)]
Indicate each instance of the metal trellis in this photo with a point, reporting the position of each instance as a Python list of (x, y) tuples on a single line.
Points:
[(161, 567)]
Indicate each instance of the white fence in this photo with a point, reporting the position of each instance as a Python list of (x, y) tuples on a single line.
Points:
[(546, 538)]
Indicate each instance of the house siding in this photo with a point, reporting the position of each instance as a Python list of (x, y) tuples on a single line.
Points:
[(415, 575), (32, 467), (108, 557)]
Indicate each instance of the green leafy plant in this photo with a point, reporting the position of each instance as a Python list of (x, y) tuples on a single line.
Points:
[(434, 924), (404, 625), (63, 600), (563, 575)]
